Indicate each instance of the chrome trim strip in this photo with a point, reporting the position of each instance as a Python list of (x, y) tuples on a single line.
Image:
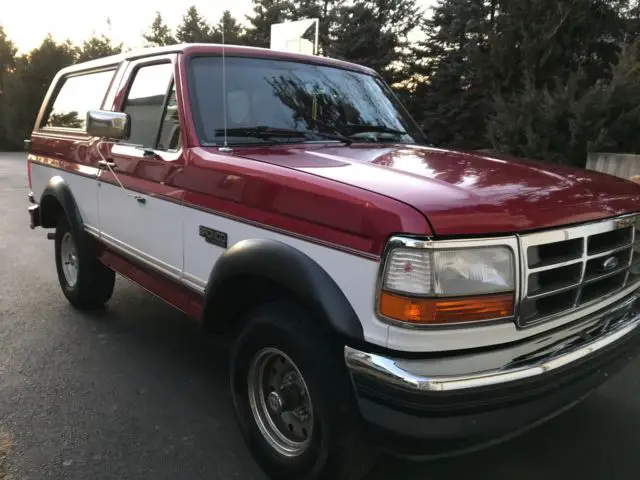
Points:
[(414, 374), (552, 266), (92, 230), (585, 281), (162, 267), (193, 282), (147, 260), (553, 292), (609, 252), (617, 271), (573, 232)]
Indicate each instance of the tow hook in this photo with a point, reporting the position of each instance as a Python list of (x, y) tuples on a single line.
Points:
[(51, 236)]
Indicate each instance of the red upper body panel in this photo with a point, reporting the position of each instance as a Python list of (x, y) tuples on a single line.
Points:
[(463, 193), (353, 196)]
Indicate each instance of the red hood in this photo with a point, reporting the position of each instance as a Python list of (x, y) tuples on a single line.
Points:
[(464, 193)]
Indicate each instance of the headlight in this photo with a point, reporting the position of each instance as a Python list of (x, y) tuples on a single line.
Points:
[(448, 285)]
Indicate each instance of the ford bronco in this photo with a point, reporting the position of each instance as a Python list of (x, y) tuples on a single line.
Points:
[(382, 293)]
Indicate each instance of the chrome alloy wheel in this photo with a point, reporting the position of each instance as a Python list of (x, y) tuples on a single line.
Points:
[(69, 259), (280, 402)]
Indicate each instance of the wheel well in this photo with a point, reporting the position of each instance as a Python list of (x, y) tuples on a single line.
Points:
[(238, 296), (50, 210)]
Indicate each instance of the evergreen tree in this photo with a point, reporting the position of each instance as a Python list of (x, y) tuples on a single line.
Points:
[(374, 33), (482, 54), (329, 14), (233, 31), (7, 66), (29, 82), (7, 54), (565, 122), (559, 57), (159, 34), (97, 47), (194, 28), (265, 14), (545, 41), (453, 103)]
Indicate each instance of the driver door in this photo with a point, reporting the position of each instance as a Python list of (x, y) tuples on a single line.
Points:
[(140, 212)]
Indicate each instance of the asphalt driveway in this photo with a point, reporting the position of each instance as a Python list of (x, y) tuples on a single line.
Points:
[(127, 395)]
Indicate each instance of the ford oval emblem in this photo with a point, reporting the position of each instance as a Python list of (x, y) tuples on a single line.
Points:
[(610, 264)]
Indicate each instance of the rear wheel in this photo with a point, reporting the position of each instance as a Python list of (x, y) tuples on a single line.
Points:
[(85, 281), (293, 398)]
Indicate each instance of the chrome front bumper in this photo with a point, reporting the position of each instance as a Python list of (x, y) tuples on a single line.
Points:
[(503, 366), (520, 383)]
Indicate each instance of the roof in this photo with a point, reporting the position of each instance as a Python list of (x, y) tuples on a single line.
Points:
[(215, 49)]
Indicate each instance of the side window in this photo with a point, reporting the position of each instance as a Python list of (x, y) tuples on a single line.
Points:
[(145, 102), (77, 95), (169, 138)]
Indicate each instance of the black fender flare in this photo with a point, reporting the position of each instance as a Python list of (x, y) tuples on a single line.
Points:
[(278, 262), (57, 189)]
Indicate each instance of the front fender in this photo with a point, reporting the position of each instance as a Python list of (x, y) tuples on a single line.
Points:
[(278, 262)]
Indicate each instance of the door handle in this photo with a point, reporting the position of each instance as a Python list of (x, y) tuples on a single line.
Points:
[(106, 163), (140, 199)]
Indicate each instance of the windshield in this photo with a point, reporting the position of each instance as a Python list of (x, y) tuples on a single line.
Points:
[(283, 95)]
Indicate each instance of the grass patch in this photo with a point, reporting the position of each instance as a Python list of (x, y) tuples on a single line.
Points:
[(5, 450)]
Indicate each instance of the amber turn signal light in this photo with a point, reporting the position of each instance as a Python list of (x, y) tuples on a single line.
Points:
[(432, 311)]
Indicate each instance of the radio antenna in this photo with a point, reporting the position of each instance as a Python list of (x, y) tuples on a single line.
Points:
[(225, 148)]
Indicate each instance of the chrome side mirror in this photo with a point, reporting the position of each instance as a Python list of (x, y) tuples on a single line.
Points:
[(108, 124)]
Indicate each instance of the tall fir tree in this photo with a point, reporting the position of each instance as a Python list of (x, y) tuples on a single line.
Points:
[(562, 56), (158, 34), (452, 103), (547, 41), (481, 50), (7, 53), (374, 33), (194, 28), (328, 12), (7, 68), (265, 14), (233, 31)]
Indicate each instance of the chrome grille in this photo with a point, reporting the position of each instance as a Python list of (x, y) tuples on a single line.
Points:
[(568, 268)]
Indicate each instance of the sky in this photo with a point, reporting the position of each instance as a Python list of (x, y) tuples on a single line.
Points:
[(27, 22)]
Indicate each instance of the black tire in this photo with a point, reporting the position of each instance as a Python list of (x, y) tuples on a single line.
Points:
[(94, 284), (337, 449)]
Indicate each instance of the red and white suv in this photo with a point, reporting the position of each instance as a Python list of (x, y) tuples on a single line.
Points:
[(383, 292)]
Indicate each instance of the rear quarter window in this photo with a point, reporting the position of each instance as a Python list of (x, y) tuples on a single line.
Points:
[(76, 95)]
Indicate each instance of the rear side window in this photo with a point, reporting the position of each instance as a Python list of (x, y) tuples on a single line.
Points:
[(77, 95), (146, 105)]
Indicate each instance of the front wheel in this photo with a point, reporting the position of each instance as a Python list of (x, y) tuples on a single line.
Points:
[(84, 280), (293, 399)]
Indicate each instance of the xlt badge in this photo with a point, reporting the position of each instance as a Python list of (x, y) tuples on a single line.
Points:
[(213, 236)]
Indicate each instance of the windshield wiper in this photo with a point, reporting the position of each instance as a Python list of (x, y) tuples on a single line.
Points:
[(366, 128), (258, 132), (263, 131)]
